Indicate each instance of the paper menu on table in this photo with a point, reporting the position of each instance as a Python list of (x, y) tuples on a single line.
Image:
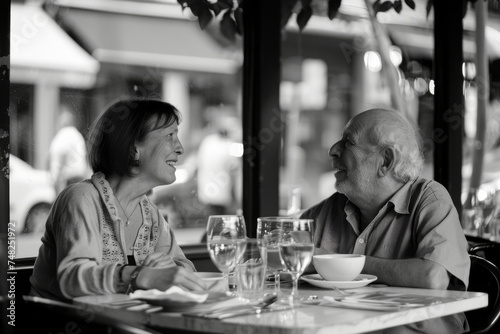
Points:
[(393, 297)]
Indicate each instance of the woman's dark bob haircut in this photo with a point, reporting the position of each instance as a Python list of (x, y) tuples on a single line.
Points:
[(112, 137)]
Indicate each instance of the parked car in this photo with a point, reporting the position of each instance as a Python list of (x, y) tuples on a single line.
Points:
[(31, 196)]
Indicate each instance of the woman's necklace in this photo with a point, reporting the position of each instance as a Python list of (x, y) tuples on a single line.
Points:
[(127, 223)]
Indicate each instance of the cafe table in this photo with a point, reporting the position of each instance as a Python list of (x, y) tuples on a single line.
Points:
[(304, 319)]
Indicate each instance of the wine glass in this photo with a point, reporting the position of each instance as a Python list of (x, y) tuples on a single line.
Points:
[(296, 249), (268, 229), (223, 234), (488, 204), (494, 222), (472, 213), (478, 210)]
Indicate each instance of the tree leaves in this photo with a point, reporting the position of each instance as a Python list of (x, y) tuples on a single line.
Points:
[(382, 6), (228, 26), (200, 9), (194, 5), (304, 16), (286, 11), (238, 17), (220, 5), (205, 11), (204, 16), (333, 8), (398, 6), (379, 6), (231, 23), (428, 7), (410, 3)]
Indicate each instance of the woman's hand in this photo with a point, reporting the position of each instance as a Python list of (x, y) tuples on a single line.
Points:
[(158, 260), (164, 278)]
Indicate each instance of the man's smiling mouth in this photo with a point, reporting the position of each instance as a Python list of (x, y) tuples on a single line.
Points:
[(337, 169)]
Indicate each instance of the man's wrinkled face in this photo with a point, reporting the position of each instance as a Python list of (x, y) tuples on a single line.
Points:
[(354, 160)]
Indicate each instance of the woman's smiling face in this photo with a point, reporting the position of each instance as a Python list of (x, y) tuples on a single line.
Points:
[(158, 154)]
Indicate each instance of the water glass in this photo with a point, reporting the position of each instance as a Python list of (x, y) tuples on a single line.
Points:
[(478, 211), (488, 203), (223, 234), (494, 222), (472, 213), (495, 225), (268, 229), (296, 249), (251, 269)]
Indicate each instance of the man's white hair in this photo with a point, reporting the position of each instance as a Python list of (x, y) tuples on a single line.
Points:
[(390, 128)]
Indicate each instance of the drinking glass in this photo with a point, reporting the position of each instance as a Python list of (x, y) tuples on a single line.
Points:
[(472, 213), (251, 266), (296, 250), (268, 229), (223, 234), (494, 222), (488, 203)]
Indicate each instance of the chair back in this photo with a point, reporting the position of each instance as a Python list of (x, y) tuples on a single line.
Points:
[(489, 250), (484, 277)]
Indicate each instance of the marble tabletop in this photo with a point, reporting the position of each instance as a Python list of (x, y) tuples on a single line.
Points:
[(305, 319)]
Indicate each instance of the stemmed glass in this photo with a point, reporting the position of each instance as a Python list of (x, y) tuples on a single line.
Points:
[(472, 213), (223, 234), (488, 203), (478, 210), (268, 229), (296, 249)]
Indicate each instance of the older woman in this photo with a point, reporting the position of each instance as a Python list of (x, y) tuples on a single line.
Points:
[(104, 235)]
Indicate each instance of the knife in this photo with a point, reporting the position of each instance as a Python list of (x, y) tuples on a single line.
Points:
[(230, 314), (373, 302)]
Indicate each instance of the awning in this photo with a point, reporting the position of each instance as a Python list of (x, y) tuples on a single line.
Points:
[(412, 30), (41, 52), (150, 41), (419, 42)]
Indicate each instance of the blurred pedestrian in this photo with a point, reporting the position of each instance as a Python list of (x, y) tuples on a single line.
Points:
[(219, 168), (67, 153)]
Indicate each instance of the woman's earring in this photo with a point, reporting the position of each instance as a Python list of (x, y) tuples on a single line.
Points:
[(135, 161)]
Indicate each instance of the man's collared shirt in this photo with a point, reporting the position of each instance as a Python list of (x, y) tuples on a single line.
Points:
[(419, 221)]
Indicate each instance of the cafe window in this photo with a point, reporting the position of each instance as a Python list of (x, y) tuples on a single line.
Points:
[(356, 80), (75, 58), (78, 56)]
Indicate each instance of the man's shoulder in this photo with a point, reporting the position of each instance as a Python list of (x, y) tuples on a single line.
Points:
[(426, 191), (430, 186)]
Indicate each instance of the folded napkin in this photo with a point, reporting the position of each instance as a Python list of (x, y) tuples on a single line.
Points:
[(174, 293), (215, 285)]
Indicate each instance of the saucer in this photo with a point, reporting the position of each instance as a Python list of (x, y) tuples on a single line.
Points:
[(317, 280)]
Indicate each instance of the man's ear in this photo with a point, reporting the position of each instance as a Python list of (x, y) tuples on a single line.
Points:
[(389, 159)]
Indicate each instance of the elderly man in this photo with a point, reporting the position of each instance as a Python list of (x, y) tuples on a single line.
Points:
[(407, 226)]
